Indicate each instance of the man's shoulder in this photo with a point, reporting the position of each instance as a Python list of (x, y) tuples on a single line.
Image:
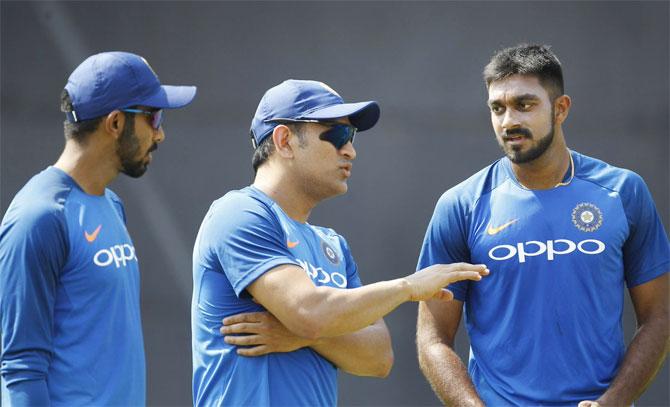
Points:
[(606, 175), (237, 210), (39, 206), (239, 201), (481, 183), (44, 194)]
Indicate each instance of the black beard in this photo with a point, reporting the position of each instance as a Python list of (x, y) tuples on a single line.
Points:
[(534, 153), (128, 149)]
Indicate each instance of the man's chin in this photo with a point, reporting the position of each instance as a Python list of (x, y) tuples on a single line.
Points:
[(136, 171)]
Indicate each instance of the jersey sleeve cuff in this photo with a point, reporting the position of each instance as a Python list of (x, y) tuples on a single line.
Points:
[(261, 269)]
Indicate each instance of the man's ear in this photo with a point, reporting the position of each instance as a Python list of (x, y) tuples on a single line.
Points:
[(562, 108), (281, 136), (114, 123)]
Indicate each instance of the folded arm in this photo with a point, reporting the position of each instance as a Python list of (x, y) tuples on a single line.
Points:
[(366, 352)]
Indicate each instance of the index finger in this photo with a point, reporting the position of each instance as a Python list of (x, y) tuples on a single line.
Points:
[(480, 268), (243, 317)]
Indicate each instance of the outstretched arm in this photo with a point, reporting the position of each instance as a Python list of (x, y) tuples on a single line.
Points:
[(366, 352), (436, 329), (647, 351), (317, 312)]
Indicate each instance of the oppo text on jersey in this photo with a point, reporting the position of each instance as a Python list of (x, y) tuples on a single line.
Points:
[(551, 248)]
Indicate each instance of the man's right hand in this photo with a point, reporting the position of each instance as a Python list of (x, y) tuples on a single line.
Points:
[(429, 283)]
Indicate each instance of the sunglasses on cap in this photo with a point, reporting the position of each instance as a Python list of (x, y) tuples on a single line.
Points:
[(156, 116), (338, 134)]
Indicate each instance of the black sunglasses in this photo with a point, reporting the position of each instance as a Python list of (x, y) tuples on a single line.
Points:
[(156, 116), (338, 134)]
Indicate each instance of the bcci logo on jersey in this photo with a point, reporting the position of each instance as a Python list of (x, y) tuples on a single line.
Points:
[(587, 217), (119, 254)]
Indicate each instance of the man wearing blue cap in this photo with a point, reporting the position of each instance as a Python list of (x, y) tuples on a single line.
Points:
[(292, 304), (69, 278)]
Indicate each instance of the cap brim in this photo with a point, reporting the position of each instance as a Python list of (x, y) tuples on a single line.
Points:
[(363, 115), (171, 97)]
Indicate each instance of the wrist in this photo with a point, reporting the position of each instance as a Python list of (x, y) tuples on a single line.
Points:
[(405, 289)]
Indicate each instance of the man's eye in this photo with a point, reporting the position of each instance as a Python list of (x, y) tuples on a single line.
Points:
[(525, 106), (497, 109)]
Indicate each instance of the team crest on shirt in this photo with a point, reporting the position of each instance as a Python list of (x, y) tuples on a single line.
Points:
[(330, 253), (587, 217)]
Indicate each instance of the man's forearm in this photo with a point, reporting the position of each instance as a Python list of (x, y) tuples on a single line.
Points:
[(317, 312), (447, 375), (366, 352), (641, 363)]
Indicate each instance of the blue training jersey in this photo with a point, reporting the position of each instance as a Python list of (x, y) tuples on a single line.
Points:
[(243, 235), (69, 298), (545, 326)]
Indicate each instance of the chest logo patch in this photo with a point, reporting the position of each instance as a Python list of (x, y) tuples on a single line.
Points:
[(90, 237), (495, 230), (587, 217), (329, 252)]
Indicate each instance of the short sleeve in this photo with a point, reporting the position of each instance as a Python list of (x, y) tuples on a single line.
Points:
[(33, 250), (353, 279), (646, 252), (246, 238), (446, 239)]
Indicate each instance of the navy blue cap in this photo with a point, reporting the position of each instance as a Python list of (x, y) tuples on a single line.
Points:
[(116, 80), (295, 100)]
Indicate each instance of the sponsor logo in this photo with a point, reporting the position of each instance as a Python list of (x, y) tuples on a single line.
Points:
[(291, 244), (494, 231), (550, 248), (92, 236), (320, 275), (119, 255), (329, 252), (587, 217)]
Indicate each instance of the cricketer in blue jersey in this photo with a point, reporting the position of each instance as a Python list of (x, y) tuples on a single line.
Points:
[(69, 276), (563, 234), (288, 293)]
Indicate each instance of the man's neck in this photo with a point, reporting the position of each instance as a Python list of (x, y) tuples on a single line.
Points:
[(546, 171), (288, 194), (91, 168)]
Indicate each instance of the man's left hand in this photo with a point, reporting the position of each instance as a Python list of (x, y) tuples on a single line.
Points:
[(259, 333)]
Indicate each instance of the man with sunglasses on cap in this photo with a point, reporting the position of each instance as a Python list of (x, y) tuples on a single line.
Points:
[(69, 277), (289, 295)]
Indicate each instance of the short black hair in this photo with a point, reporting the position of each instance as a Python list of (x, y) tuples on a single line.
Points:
[(525, 59), (267, 145), (80, 130)]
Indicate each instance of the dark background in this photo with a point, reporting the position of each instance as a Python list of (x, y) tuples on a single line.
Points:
[(421, 60)]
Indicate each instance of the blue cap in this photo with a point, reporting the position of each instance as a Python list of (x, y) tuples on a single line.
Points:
[(116, 80), (295, 100)]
